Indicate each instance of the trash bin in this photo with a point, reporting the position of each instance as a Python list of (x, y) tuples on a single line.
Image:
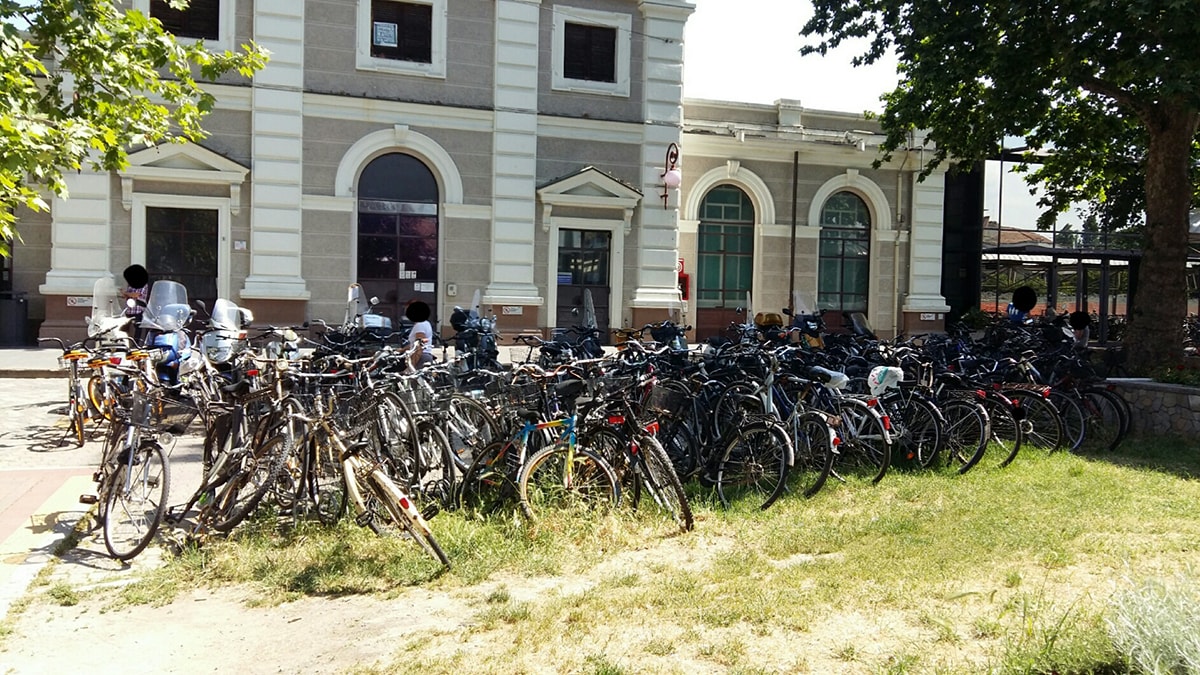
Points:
[(14, 319)]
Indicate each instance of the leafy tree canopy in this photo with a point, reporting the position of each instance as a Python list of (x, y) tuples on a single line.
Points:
[(82, 82), (1106, 94)]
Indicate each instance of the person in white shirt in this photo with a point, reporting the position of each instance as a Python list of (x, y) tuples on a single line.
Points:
[(422, 331)]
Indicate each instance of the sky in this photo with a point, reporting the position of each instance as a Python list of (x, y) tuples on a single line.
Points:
[(749, 51)]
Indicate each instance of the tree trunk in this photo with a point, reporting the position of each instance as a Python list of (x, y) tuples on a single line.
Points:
[(1154, 339)]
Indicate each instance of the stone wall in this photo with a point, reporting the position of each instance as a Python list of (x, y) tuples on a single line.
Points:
[(1160, 408)]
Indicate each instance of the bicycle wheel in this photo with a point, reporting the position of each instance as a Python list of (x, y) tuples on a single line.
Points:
[(966, 433), (612, 445), (392, 438), (658, 478), (812, 450), (136, 500), (469, 428), (1004, 441), (1040, 422), (566, 478), (754, 465), (865, 451), (435, 478), (678, 439), (917, 429), (1103, 418), (251, 473), (734, 404), (395, 513), (489, 486), (1073, 418)]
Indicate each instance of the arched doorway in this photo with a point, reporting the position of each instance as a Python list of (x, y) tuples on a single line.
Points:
[(843, 276), (725, 258), (398, 233)]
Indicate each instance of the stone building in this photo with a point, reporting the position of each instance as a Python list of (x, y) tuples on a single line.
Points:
[(428, 149)]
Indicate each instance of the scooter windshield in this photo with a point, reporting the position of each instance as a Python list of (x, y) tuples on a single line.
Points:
[(108, 308), (226, 315), (167, 310)]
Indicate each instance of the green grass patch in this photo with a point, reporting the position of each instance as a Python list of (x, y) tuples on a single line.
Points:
[(1003, 570)]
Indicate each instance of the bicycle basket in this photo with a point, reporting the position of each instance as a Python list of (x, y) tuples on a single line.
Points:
[(161, 412), (668, 400), (524, 395)]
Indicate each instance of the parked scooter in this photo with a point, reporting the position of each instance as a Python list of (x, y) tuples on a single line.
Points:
[(475, 336), (166, 317)]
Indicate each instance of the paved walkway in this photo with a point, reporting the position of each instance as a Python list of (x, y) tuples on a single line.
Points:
[(43, 474)]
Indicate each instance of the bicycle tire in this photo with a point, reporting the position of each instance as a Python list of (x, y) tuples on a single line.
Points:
[(1042, 424), (469, 427), (566, 478), (812, 451), (966, 431), (399, 513), (734, 404), (613, 446), (250, 481), (1005, 437), (324, 481), (133, 513), (1104, 419), (489, 487), (1072, 416), (754, 464), (865, 450), (435, 479), (659, 479), (918, 424)]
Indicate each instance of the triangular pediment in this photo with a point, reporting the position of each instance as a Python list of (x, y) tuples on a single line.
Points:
[(589, 187), (187, 162)]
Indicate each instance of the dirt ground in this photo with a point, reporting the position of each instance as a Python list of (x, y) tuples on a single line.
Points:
[(226, 630)]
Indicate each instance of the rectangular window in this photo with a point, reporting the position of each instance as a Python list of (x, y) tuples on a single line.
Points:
[(590, 53), (402, 31), (200, 21)]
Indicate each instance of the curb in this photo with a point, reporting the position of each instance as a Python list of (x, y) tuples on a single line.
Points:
[(27, 374)]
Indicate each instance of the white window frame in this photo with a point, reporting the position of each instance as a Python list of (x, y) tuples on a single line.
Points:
[(623, 23), (226, 32), (437, 55), (137, 239)]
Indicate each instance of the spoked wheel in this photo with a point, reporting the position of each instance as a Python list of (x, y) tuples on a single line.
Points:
[(489, 487), (754, 465), (865, 451), (1040, 421), (1004, 441), (659, 480), (252, 475), (812, 448), (967, 432), (561, 478), (135, 501), (393, 513), (469, 429)]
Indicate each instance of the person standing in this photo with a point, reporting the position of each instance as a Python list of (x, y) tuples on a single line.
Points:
[(422, 332), (137, 288)]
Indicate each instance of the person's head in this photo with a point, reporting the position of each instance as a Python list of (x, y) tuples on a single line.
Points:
[(136, 276), (417, 311)]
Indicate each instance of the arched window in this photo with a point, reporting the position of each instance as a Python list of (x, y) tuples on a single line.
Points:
[(843, 275), (725, 268), (398, 233)]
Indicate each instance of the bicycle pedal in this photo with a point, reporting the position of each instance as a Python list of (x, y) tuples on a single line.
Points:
[(88, 499), (98, 476), (430, 511), (364, 519)]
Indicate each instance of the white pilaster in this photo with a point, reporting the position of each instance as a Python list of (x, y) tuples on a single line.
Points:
[(80, 234), (514, 153), (277, 118), (658, 236), (925, 246)]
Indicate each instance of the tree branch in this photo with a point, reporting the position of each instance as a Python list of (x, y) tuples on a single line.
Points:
[(1098, 86)]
